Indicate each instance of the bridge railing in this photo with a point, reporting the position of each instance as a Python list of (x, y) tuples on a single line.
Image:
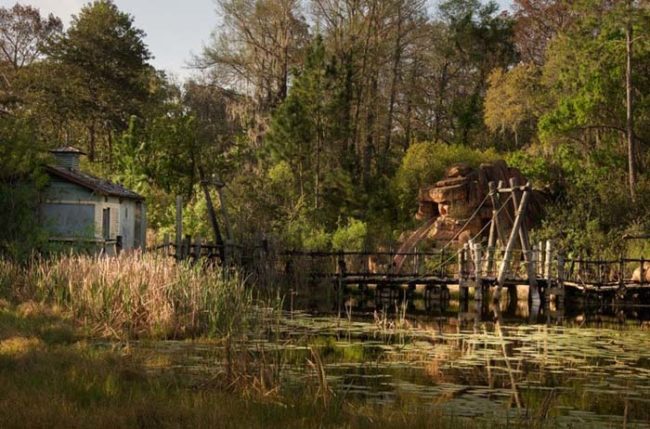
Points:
[(608, 272), (440, 263)]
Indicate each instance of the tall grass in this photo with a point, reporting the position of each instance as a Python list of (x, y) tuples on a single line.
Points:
[(134, 295)]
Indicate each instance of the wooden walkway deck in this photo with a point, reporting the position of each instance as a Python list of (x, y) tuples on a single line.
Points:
[(546, 274)]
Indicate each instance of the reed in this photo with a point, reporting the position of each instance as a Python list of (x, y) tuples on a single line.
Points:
[(134, 295)]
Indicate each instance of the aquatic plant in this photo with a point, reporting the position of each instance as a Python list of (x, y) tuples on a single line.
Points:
[(135, 294)]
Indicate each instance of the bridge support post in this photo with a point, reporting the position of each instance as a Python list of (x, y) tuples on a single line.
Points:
[(478, 280), (559, 298), (548, 260), (514, 235), (463, 294), (531, 270)]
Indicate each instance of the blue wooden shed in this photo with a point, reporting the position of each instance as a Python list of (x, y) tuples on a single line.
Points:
[(81, 208)]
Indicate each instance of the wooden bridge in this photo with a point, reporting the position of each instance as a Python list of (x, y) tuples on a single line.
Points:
[(499, 257), (547, 274), (502, 259)]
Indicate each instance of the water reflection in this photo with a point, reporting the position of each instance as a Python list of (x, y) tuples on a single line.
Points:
[(579, 364), (508, 311)]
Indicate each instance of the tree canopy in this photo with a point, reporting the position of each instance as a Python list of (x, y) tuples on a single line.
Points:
[(322, 118)]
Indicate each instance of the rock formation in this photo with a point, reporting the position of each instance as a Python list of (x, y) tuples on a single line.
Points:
[(451, 209)]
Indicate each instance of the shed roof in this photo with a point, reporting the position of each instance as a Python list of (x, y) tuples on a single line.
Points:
[(96, 184), (68, 149)]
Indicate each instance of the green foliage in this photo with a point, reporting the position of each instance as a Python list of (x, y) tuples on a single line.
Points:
[(588, 213), (106, 55), (512, 101), (301, 233), (584, 73), (535, 166), (20, 181), (351, 236), (425, 163)]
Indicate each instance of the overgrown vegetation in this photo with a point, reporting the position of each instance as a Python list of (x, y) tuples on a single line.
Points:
[(50, 376), (134, 295), (341, 119)]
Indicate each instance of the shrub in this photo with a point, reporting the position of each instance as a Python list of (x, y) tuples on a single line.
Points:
[(351, 236), (425, 163)]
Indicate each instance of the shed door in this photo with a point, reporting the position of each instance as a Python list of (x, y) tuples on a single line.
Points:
[(137, 230), (106, 223)]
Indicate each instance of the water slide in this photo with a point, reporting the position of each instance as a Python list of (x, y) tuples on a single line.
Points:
[(410, 243)]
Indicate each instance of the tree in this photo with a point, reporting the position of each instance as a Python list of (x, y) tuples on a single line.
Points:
[(256, 48), (105, 61), (537, 22), (464, 44), (514, 101), (24, 33), (589, 73), (298, 132)]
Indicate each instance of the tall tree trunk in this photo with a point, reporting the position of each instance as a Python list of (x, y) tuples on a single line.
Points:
[(442, 86), (110, 146), (319, 149), (397, 53), (91, 141), (369, 149), (409, 105), (631, 150)]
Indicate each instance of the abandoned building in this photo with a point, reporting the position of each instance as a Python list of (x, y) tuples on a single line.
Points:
[(81, 209)]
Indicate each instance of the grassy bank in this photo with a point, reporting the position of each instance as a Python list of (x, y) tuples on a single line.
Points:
[(51, 377), (132, 296)]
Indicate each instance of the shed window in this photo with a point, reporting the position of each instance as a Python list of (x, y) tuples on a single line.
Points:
[(69, 220)]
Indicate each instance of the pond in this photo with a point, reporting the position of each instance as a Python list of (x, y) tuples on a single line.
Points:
[(589, 367)]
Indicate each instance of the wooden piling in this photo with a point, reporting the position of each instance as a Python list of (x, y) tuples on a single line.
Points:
[(548, 260), (523, 231), (560, 276), (525, 245), (462, 272), (514, 234), (540, 259), (187, 244), (478, 282)]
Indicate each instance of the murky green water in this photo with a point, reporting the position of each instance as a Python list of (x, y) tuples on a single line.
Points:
[(589, 368)]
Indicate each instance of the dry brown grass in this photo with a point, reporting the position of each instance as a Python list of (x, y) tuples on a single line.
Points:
[(133, 295)]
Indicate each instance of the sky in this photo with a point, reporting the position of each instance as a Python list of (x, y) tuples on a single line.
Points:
[(176, 29)]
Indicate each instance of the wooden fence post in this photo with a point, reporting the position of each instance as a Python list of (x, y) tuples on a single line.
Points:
[(166, 245), (560, 274), (540, 258), (462, 281), (197, 248), (179, 228), (478, 262)]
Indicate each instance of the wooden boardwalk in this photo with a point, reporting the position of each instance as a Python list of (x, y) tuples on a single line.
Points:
[(473, 270), (499, 257)]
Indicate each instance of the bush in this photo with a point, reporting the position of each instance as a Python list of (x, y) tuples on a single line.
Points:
[(351, 236), (590, 209), (21, 232)]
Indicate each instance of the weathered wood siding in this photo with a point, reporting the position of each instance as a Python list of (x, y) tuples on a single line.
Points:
[(69, 211), (72, 211)]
